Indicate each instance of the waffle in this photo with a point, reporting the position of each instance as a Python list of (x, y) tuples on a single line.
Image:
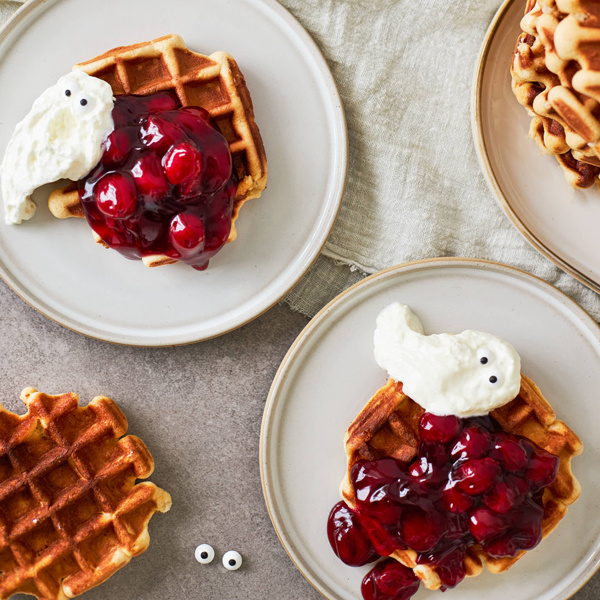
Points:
[(555, 74), (213, 82), (388, 427), (71, 513)]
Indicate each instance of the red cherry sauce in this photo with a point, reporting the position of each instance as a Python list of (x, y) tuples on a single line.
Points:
[(165, 183), (471, 483), (389, 580)]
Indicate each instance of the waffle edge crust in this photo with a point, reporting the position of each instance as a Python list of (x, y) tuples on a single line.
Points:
[(555, 71), (388, 427), (71, 513), (213, 82)]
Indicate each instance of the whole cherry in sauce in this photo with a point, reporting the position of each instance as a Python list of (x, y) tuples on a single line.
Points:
[(471, 483), (165, 184), (348, 538), (389, 580)]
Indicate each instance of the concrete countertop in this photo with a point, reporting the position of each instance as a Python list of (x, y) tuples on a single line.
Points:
[(199, 410)]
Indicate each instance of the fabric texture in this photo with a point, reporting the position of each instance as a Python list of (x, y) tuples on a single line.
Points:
[(415, 190), (7, 9)]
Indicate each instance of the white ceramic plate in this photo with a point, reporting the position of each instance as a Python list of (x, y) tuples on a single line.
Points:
[(55, 265), (330, 373), (559, 221)]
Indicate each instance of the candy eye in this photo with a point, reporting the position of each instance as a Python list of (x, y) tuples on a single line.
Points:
[(495, 378), (84, 103), (485, 356), (232, 560), (204, 554), (71, 89)]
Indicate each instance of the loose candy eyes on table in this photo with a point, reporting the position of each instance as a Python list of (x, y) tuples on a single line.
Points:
[(204, 554), (232, 560)]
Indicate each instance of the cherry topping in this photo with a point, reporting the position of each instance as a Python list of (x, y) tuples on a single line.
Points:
[(502, 546), (525, 535), (438, 429), (183, 164), (384, 536), (117, 196), (473, 442), (457, 501), (159, 103), (187, 232), (485, 524), (348, 538), (518, 484), (421, 468), (185, 184), (389, 580), (474, 485), (116, 148), (421, 531), (511, 452), (159, 134), (529, 532), (476, 476), (199, 112), (149, 177), (542, 471), (502, 497)]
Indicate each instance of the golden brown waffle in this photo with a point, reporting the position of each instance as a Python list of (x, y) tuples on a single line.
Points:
[(555, 74), (213, 82), (71, 513), (388, 427)]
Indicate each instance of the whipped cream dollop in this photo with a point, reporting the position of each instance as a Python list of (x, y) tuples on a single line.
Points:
[(60, 138), (466, 375)]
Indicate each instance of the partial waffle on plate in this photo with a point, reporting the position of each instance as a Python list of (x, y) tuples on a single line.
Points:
[(213, 82), (555, 73), (388, 427), (71, 513)]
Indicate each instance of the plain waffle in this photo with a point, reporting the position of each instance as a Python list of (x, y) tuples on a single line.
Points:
[(213, 82), (71, 513), (555, 74), (388, 427)]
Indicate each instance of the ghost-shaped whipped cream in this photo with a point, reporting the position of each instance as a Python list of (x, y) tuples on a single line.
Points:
[(60, 138), (468, 374)]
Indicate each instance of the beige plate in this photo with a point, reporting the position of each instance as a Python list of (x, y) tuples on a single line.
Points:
[(329, 373), (562, 223), (56, 266)]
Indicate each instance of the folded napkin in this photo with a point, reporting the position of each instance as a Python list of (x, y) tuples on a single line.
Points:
[(415, 189), (7, 9)]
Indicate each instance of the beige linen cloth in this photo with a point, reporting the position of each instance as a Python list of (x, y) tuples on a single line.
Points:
[(415, 190)]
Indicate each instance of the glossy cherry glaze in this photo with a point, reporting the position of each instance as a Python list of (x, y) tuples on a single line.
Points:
[(348, 537), (389, 580), (165, 183), (471, 483)]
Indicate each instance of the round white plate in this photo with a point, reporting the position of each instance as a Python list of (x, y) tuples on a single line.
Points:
[(561, 222), (330, 373), (56, 266)]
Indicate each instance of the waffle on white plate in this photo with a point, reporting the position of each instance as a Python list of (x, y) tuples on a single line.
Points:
[(555, 75), (388, 427), (213, 82)]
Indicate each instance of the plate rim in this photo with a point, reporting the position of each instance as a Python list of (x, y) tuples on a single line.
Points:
[(485, 163), (340, 122), (308, 330)]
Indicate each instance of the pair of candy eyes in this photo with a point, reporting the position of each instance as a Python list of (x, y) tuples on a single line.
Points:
[(486, 358), (205, 554), (84, 103)]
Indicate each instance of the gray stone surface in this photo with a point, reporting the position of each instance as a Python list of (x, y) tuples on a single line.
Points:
[(199, 409)]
